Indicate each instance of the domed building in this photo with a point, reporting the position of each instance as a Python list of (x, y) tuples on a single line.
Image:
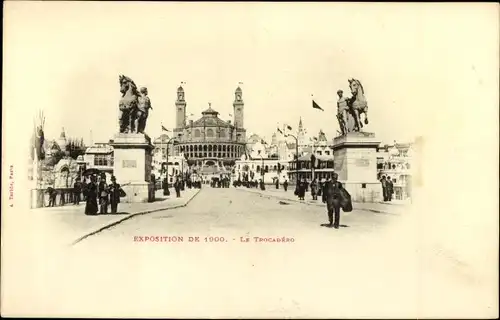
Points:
[(210, 141)]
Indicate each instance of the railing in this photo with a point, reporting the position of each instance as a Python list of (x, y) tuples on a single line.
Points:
[(63, 196)]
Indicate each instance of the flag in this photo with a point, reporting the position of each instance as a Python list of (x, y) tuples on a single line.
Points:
[(164, 129), (280, 131), (316, 106), (289, 128)]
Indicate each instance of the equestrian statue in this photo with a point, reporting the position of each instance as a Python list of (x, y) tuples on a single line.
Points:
[(134, 106), (349, 110)]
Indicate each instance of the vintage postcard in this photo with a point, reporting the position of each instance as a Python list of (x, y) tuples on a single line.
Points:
[(250, 160)]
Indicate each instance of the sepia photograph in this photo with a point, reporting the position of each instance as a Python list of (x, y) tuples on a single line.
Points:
[(250, 160)]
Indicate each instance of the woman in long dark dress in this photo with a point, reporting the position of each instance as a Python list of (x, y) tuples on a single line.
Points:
[(91, 207)]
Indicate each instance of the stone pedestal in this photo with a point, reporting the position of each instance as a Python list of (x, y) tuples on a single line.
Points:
[(132, 166), (355, 158)]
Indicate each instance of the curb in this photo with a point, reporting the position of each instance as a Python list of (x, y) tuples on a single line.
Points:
[(314, 204), (114, 223)]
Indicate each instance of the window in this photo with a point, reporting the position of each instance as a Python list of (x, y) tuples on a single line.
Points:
[(327, 152), (210, 133), (102, 160), (319, 153), (222, 133)]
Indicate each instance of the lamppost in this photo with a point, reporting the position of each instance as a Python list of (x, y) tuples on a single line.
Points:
[(296, 158), (174, 142)]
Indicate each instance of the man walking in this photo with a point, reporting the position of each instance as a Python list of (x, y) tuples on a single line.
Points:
[(333, 195), (384, 187)]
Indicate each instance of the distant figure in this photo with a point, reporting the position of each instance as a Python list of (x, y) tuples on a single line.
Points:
[(277, 183), (262, 186), (333, 200), (62, 198), (91, 194), (384, 187), (314, 189), (177, 187), (166, 192), (52, 196), (115, 192), (320, 187), (103, 195), (285, 185), (301, 190), (77, 190), (390, 189)]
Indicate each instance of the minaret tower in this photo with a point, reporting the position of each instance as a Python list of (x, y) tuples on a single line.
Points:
[(180, 110), (238, 108)]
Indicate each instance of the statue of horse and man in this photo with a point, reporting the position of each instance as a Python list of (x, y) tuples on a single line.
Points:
[(134, 106), (349, 110)]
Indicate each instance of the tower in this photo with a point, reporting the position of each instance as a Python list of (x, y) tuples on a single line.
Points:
[(180, 109), (301, 137), (238, 108)]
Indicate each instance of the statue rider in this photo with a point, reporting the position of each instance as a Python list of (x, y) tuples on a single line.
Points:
[(144, 104), (342, 112)]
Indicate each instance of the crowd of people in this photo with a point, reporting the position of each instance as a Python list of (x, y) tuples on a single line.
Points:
[(99, 195)]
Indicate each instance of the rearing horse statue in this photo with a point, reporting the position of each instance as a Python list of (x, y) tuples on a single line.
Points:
[(357, 103), (128, 104)]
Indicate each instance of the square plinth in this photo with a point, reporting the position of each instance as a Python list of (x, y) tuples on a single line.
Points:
[(355, 160), (133, 165)]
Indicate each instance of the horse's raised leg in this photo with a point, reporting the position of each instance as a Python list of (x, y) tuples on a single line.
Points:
[(357, 120)]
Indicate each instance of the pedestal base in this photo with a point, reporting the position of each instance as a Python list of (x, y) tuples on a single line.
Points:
[(364, 192), (132, 166), (138, 192), (355, 159)]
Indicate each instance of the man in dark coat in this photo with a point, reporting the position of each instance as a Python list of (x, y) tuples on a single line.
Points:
[(166, 192), (389, 188), (333, 200), (302, 186), (177, 187), (285, 184), (77, 190), (103, 195), (384, 187), (115, 191), (314, 189), (52, 196)]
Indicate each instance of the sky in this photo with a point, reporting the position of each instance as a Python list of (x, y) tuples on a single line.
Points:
[(67, 60)]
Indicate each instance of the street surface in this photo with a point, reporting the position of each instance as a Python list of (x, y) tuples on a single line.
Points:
[(368, 268)]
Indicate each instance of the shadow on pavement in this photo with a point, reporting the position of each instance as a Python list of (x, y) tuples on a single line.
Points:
[(330, 226)]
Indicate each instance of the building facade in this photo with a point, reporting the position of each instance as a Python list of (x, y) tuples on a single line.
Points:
[(395, 162), (210, 140), (99, 156)]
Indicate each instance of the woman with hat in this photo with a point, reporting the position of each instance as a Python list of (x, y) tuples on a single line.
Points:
[(90, 193)]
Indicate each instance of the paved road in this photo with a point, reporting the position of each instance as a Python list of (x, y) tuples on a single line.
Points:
[(366, 269)]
